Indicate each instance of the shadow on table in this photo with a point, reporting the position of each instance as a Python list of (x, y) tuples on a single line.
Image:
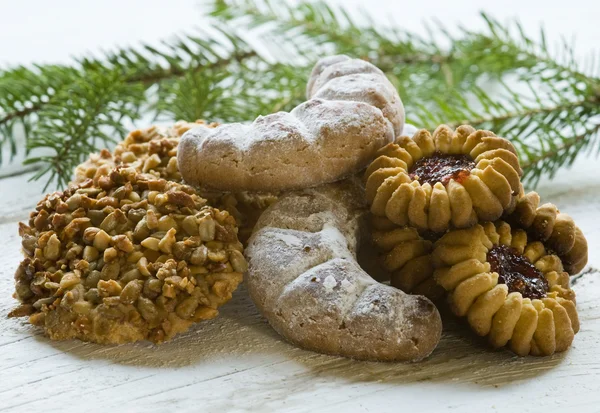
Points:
[(240, 332)]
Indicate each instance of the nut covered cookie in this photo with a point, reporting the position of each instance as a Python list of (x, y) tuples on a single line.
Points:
[(126, 257), (153, 151), (448, 179), (510, 286)]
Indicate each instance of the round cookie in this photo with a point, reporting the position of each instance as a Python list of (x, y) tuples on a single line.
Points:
[(153, 151), (304, 278), (406, 255), (126, 257), (510, 287), (352, 111), (557, 231), (451, 179)]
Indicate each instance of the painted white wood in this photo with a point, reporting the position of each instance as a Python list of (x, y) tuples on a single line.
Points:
[(238, 363)]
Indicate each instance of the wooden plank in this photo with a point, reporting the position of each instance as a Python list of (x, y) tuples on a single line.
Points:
[(238, 363)]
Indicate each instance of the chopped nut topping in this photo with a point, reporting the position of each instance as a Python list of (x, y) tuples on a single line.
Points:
[(102, 269)]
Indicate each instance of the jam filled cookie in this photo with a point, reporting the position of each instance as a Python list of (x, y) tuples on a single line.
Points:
[(126, 257), (558, 231), (511, 288), (407, 257), (451, 179)]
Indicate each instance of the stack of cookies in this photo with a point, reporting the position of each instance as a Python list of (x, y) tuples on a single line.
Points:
[(149, 239), (451, 220)]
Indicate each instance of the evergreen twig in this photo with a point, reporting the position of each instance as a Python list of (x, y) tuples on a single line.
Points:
[(498, 78)]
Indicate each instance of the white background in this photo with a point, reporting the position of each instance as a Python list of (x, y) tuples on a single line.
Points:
[(53, 31)]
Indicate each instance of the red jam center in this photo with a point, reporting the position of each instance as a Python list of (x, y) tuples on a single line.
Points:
[(517, 272), (442, 168)]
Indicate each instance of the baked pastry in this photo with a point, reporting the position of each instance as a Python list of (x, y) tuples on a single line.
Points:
[(451, 179), (557, 231), (153, 151), (304, 278), (510, 287), (126, 257), (245, 207), (406, 256), (352, 111)]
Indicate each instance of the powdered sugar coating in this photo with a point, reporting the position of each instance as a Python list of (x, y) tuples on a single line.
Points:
[(352, 110), (304, 278)]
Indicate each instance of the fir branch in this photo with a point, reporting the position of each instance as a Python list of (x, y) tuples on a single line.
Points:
[(91, 113), (20, 113), (134, 66), (570, 143), (176, 72), (442, 84), (508, 116), (498, 78)]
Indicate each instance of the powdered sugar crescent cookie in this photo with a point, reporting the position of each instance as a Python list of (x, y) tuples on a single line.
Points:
[(448, 179), (512, 288), (352, 111), (304, 278)]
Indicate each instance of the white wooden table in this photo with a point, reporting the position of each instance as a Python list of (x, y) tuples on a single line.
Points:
[(238, 363)]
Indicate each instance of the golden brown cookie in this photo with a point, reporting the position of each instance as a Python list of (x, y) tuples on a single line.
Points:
[(451, 179), (126, 257), (151, 150), (406, 255), (510, 287), (556, 230)]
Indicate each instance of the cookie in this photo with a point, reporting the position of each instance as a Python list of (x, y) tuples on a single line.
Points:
[(304, 278), (153, 151), (126, 257), (406, 255), (352, 111), (510, 287), (451, 179), (556, 230)]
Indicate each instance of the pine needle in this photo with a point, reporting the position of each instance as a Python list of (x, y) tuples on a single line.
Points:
[(498, 78)]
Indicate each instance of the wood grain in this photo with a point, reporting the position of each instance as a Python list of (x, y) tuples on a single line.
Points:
[(238, 363)]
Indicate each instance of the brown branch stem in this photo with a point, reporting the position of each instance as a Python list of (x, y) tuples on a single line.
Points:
[(146, 78), (20, 113), (157, 76), (525, 113)]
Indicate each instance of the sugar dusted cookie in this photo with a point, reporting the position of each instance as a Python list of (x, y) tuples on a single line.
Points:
[(304, 278), (352, 110)]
